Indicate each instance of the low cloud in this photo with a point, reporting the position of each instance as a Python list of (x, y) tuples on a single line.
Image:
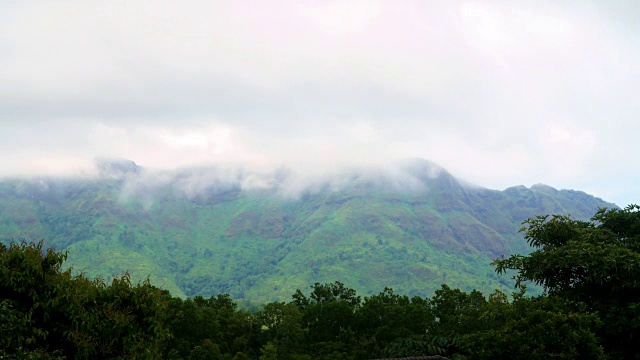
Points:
[(202, 183), (499, 93)]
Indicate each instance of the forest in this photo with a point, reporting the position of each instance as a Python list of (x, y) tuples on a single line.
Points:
[(260, 246), (589, 271)]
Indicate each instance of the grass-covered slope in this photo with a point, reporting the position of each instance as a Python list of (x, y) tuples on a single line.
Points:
[(197, 232)]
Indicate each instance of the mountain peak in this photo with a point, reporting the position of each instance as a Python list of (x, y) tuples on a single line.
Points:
[(116, 168), (543, 187)]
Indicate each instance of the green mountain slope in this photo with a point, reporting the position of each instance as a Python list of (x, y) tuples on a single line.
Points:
[(206, 231)]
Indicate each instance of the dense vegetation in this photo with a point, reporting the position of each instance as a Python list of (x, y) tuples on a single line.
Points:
[(590, 270), (196, 232)]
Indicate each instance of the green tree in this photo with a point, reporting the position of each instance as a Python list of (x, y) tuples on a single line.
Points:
[(282, 326), (269, 352), (212, 328), (329, 314), (391, 325), (593, 262), (533, 328), (73, 316), (456, 312), (13, 343)]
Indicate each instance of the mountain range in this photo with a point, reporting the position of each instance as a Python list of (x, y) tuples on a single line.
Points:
[(260, 235)]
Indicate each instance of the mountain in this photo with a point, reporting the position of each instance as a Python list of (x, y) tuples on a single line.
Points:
[(262, 235)]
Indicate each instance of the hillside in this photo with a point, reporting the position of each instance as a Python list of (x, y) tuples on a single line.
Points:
[(260, 236)]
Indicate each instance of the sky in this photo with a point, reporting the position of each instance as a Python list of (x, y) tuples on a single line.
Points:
[(499, 93)]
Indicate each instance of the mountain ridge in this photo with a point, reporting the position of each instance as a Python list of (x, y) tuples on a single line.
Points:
[(207, 231)]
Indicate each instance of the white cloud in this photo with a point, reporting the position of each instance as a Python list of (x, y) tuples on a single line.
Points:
[(498, 92), (343, 18)]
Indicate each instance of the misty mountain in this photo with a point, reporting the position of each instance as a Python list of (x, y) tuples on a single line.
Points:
[(260, 235)]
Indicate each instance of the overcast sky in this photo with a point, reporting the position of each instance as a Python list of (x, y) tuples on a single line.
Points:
[(500, 93)]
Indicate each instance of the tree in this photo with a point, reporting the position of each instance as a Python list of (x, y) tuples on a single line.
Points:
[(533, 328), (209, 328), (269, 352), (282, 328), (385, 317), (44, 308), (593, 262), (457, 312), (329, 314)]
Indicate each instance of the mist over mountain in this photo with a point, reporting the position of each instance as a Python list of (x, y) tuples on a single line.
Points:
[(261, 234)]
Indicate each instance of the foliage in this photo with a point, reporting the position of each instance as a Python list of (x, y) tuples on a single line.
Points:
[(533, 328), (45, 308), (47, 313), (209, 328), (408, 347), (282, 327), (262, 246), (457, 312), (13, 327), (595, 262), (589, 269)]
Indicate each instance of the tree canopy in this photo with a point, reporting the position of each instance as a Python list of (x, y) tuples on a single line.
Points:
[(589, 269), (594, 263)]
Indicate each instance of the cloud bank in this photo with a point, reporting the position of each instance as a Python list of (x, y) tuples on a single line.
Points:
[(499, 93)]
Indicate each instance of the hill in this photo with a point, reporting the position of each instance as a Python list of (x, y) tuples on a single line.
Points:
[(260, 236)]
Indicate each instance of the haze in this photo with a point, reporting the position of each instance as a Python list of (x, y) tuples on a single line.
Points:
[(499, 93)]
